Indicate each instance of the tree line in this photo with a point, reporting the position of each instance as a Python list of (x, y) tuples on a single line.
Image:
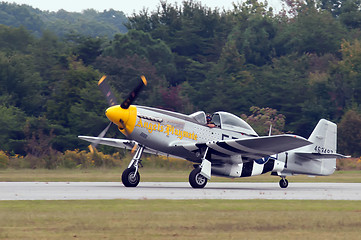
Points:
[(298, 66), (89, 22)]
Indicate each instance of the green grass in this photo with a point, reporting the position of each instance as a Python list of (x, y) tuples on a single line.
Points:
[(151, 175), (183, 219)]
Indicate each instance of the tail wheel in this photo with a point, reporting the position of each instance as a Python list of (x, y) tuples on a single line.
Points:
[(196, 180), (130, 177), (283, 183)]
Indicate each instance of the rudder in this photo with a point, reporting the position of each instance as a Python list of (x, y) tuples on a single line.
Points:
[(319, 158), (324, 138)]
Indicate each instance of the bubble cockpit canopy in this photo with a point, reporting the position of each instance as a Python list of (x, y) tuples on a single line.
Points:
[(231, 122)]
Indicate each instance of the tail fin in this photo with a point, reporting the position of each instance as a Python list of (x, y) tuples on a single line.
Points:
[(323, 149), (324, 138)]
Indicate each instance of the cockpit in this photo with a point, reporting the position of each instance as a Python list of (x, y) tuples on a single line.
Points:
[(227, 121)]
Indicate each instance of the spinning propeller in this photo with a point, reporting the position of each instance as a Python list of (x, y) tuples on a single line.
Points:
[(123, 115)]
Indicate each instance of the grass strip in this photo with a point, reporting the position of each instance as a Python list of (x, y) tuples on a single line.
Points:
[(180, 219)]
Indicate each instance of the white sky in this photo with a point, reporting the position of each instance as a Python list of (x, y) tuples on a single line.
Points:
[(127, 6)]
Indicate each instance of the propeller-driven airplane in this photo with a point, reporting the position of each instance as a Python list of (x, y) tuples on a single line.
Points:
[(229, 148)]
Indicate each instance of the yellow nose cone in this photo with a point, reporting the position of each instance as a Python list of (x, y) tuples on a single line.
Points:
[(124, 118), (116, 114)]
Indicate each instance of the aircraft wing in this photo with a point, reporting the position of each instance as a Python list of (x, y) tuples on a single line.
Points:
[(252, 148), (119, 143)]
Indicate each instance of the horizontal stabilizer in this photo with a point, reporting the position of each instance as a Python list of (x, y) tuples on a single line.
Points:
[(319, 156)]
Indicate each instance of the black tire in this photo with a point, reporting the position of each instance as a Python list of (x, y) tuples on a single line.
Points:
[(196, 180), (283, 183), (129, 178)]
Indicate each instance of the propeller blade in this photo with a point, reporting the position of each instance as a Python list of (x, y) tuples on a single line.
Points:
[(114, 113), (134, 148), (134, 94), (104, 87), (102, 134)]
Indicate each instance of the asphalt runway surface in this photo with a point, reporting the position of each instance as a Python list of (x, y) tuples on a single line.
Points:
[(176, 190)]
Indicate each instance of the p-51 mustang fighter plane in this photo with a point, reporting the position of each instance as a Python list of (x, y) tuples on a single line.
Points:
[(230, 149)]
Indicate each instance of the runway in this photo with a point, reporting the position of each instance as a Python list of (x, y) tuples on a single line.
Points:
[(176, 191)]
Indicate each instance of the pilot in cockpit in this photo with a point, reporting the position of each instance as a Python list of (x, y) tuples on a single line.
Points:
[(209, 121)]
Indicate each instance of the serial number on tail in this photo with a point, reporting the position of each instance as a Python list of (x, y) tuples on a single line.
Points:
[(323, 150)]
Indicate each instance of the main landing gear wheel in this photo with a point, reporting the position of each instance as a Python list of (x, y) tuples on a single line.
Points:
[(196, 180), (130, 178), (283, 183)]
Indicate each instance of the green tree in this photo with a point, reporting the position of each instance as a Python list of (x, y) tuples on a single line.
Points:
[(264, 119), (194, 33), (190, 29), (143, 45), (254, 32), (350, 14), (333, 6), (88, 23), (228, 84), (12, 121), (311, 31), (17, 73), (124, 74), (349, 131), (345, 77), (86, 48), (51, 58), (15, 15), (67, 91), (284, 86), (15, 40)]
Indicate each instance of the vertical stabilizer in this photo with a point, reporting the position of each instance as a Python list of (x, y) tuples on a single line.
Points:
[(318, 158), (324, 138)]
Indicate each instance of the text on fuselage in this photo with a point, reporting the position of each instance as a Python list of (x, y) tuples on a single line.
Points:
[(167, 129)]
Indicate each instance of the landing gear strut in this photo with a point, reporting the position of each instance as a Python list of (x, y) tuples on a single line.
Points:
[(283, 182), (201, 173), (131, 176)]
